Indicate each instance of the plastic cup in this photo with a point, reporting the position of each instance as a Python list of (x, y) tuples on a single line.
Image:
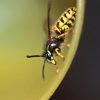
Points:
[(22, 26)]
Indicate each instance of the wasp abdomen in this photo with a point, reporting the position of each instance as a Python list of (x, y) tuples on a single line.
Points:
[(65, 22)]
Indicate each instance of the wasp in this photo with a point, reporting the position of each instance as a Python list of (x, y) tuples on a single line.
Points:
[(53, 44)]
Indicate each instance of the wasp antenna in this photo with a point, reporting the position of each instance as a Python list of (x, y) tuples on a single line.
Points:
[(43, 76), (30, 56), (48, 19)]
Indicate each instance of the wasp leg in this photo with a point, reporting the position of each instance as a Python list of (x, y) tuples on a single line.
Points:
[(57, 69), (67, 44), (59, 36), (58, 53), (62, 35)]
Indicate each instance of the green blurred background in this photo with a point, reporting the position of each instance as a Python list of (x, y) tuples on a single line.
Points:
[(22, 33)]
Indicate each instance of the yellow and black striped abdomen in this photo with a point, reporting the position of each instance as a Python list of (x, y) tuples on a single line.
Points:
[(65, 22)]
